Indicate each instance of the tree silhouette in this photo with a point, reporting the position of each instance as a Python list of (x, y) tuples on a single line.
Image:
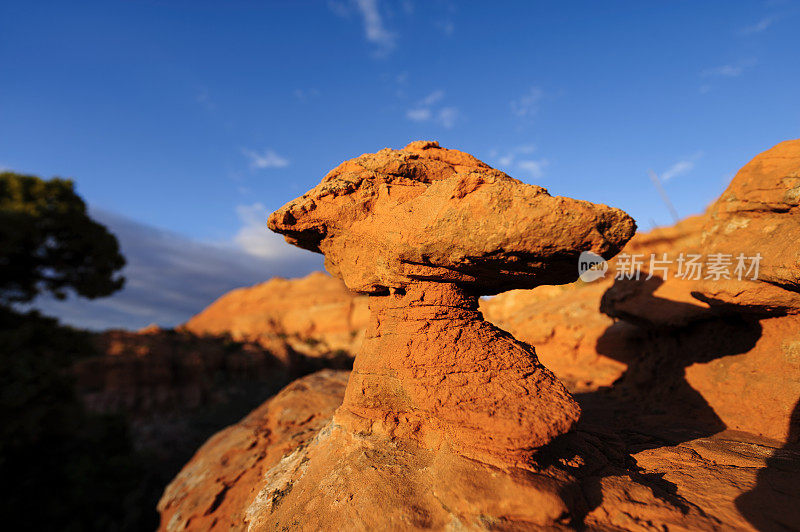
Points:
[(66, 468), (49, 243)]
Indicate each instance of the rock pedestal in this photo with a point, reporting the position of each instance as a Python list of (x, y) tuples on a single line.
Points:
[(431, 370)]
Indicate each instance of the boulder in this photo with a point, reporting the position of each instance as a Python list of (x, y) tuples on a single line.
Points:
[(392, 218), (287, 465), (227, 472), (758, 215)]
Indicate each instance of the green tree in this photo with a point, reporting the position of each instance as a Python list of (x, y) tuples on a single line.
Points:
[(63, 467), (49, 243)]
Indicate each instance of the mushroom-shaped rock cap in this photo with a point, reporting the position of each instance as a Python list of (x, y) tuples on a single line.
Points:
[(386, 219)]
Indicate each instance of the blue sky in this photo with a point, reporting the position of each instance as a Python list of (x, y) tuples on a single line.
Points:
[(195, 119)]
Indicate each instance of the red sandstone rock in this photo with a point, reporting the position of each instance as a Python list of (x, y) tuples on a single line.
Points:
[(757, 215), (658, 301), (431, 370), (286, 463), (315, 315), (388, 219), (657, 389), (426, 230), (216, 486), (672, 358), (564, 324)]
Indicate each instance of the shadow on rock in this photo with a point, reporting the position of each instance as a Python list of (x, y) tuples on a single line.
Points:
[(653, 397), (652, 405), (774, 503)]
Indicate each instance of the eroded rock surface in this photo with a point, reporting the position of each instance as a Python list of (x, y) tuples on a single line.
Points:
[(425, 231), (689, 399), (759, 213), (756, 220), (288, 466), (432, 371), (214, 489), (388, 219), (564, 325)]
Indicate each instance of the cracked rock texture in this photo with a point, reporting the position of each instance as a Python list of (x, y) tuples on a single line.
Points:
[(287, 466), (388, 219), (227, 472)]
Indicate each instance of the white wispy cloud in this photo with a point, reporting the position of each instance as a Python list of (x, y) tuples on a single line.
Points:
[(730, 70), (527, 105), (448, 27), (726, 71), (266, 159), (254, 238), (305, 94), (432, 98), (758, 27), (375, 30), (446, 24), (428, 109), (447, 117), (517, 161), (399, 82), (170, 277), (681, 167), (534, 168), (203, 98), (418, 115)]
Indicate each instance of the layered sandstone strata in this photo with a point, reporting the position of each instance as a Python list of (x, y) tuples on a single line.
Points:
[(425, 231)]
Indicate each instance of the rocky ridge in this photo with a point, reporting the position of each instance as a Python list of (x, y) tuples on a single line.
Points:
[(313, 315)]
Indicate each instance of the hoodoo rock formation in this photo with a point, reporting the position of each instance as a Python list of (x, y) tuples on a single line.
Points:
[(425, 231), (689, 388)]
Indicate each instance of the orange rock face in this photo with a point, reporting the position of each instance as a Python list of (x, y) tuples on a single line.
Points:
[(431, 370), (689, 390), (316, 315), (723, 349), (758, 214), (230, 466), (287, 465), (388, 219), (425, 231), (564, 325)]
